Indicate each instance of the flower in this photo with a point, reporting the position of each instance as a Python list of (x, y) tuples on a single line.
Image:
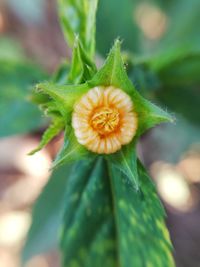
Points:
[(104, 119)]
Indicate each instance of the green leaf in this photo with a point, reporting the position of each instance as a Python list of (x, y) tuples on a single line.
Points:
[(61, 74), (47, 215), (78, 17), (183, 24), (164, 58), (88, 234), (177, 66), (143, 238), (77, 68), (145, 80), (11, 51), (54, 129), (107, 221), (179, 80), (182, 72), (168, 148), (178, 99), (17, 114), (71, 150)]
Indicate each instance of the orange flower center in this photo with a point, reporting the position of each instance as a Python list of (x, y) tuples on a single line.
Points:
[(105, 120)]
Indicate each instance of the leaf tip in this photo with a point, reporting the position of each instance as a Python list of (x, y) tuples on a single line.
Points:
[(118, 41), (32, 152), (42, 86), (168, 117), (117, 46)]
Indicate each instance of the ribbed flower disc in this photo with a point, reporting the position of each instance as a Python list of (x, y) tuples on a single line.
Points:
[(104, 120)]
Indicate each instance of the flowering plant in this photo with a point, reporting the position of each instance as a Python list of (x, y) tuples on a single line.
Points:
[(112, 212)]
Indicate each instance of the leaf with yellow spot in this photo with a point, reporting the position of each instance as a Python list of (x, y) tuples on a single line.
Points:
[(107, 221), (143, 239)]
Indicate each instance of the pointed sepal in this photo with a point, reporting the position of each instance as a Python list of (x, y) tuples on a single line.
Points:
[(125, 160), (113, 73), (71, 150), (64, 95), (150, 115), (54, 129)]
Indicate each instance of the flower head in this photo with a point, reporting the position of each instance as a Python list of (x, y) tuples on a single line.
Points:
[(104, 119)]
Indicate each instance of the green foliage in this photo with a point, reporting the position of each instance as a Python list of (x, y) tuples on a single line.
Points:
[(62, 73), (180, 76), (174, 76), (10, 50), (47, 215), (180, 84), (115, 18), (78, 18), (17, 75), (88, 234), (147, 243), (163, 138), (177, 99), (182, 72), (112, 212), (107, 220), (173, 67), (17, 114), (119, 19), (82, 68), (183, 28)]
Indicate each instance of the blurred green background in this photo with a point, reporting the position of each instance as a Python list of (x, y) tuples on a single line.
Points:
[(161, 43)]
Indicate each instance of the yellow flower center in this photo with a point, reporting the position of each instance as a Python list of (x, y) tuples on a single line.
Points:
[(105, 120)]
